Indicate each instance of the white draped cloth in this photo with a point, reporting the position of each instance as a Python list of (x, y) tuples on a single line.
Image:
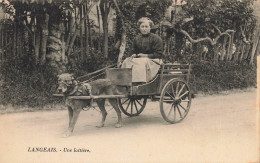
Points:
[(143, 69)]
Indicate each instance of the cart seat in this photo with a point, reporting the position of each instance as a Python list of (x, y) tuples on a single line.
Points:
[(175, 68)]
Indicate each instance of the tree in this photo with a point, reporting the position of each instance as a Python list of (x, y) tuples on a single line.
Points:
[(104, 9), (52, 27), (209, 21)]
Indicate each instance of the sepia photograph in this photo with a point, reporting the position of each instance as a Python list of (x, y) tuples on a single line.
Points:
[(126, 81)]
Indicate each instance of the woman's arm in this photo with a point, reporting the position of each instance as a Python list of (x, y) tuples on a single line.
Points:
[(157, 47), (134, 47)]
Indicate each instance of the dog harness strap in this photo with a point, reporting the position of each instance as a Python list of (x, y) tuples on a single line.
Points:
[(74, 90), (89, 88), (83, 90)]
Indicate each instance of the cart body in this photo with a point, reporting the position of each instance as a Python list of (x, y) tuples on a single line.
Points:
[(170, 87)]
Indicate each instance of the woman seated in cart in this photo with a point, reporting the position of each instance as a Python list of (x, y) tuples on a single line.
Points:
[(147, 52)]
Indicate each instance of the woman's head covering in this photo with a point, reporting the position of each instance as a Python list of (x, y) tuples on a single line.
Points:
[(145, 19)]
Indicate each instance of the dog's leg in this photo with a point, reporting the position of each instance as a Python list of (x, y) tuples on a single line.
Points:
[(70, 111), (101, 105), (70, 114), (73, 121), (114, 103)]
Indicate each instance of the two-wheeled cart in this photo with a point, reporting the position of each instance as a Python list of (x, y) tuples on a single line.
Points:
[(170, 87)]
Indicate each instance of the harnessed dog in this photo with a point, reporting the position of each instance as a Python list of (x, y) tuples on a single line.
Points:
[(68, 86)]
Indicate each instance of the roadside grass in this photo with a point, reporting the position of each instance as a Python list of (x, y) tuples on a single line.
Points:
[(9, 109), (226, 92), (26, 89)]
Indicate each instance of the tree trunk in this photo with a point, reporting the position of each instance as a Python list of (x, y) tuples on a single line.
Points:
[(90, 36), (15, 38), (81, 37), (104, 8), (236, 54), (228, 49), (216, 51), (247, 49), (122, 46), (123, 35), (255, 43), (229, 53), (37, 46), (63, 50), (71, 44), (106, 41), (64, 59), (56, 56), (178, 45), (20, 43), (242, 52), (1, 45), (223, 50), (86, 31), (257, 49), (99, 28), (45, 34), (199, 50), (72, 25), (248, 46)]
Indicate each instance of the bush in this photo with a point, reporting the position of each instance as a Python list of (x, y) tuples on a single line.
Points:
[(211, 78), (24, 84)]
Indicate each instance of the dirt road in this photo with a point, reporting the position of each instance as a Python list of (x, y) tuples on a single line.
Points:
[(219, 128)]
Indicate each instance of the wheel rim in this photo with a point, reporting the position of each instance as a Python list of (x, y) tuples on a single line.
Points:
[(175, 101), (133, 105)]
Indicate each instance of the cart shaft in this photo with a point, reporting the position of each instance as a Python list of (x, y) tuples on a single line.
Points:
[(93, 97)]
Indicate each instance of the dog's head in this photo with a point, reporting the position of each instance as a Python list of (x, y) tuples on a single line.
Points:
[(66, 83)]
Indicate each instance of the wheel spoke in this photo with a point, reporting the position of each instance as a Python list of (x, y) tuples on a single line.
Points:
[(174, 113), (182, 107), (127, 105), (173, 92), (125, 101), (177, 87), (181, 89), (170, 95), (170, 111), (183, 94), (135, 107), (131, 107), (185, 100), (139, 103), (179, 111)]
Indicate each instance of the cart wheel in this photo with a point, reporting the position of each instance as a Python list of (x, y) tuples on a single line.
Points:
[(133, 105), (175, 100)]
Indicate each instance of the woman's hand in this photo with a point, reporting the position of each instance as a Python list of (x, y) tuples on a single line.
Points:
[(142, 55), (133, 56)]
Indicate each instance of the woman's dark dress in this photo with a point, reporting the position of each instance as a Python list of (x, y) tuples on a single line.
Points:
[(148, 44), (144, 69)]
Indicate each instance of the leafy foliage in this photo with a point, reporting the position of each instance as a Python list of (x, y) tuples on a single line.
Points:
[(212, 78), (135, 9), (25, 83)]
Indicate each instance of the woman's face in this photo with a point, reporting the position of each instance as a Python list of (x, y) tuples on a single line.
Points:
[(145, 28)]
